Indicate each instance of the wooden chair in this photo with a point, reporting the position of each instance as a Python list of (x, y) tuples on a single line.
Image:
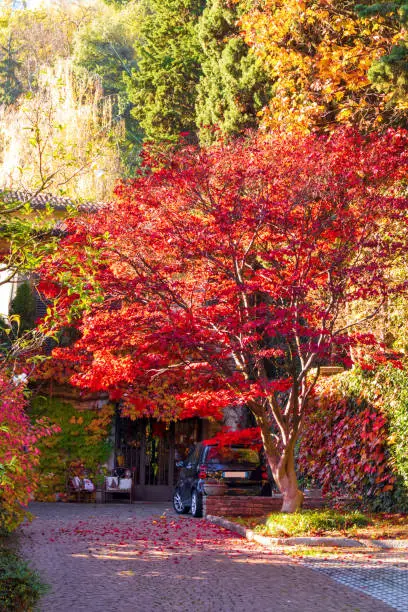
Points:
[(115, 485), (77, 488)]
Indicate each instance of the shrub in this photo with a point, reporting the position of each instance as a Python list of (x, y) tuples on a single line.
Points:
[(19, 454), (312, 522), (23, 305), (20, 586)]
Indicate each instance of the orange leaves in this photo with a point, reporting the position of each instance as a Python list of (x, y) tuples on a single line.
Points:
[(319, 54), (76, 420), (388, 487)]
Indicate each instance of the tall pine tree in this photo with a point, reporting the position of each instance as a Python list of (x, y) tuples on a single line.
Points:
[(233, 87), (389, 74), (163, 86), (10, 85)]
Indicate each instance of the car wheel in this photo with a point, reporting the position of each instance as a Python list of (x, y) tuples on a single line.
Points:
[(178, 503), (196, 504)]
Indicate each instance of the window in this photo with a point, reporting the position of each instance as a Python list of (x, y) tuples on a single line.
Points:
[(233, 455)]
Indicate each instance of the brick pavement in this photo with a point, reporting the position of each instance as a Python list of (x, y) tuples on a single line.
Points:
[(376, 567), (142, 557)]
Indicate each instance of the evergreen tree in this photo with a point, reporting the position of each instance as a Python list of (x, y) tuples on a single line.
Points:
[(389, 74), (233, 87), (163, 87), (10, 84), (397, 8), (24, 306)]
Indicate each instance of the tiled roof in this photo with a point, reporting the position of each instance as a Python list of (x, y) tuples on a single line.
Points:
[(41, 200)]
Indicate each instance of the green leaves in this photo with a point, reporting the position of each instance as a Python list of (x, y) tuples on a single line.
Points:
[(233, 87), (20, 586), (163, 86)]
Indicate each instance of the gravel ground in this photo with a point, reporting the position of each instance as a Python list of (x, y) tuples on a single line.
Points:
[(122, 557)]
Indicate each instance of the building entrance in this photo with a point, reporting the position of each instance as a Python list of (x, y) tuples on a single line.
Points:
[(150, 449)]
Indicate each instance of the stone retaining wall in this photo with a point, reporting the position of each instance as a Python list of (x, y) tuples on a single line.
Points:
[(241, 505)]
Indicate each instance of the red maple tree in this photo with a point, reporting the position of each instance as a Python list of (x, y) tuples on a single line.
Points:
[(227, 276)]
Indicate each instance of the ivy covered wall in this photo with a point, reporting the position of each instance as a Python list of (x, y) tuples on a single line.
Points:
[(362, 450), (83, 440)]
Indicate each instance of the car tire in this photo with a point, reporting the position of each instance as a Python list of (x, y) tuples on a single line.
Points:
[(196, 504), (178, 504)]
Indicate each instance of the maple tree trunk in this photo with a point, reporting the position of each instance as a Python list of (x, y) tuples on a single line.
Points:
[(283, 470), (286, 480)]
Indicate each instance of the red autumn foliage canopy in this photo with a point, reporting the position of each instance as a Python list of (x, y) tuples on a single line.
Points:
[(223, 276), (250, 437)]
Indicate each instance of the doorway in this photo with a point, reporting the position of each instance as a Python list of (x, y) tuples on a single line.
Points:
[(150, 449)]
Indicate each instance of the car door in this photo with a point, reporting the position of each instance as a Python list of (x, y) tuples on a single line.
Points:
[(189, 474)]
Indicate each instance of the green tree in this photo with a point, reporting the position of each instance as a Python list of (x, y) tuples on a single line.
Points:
[(234, 86), (389, 74), (23, 305), (395, 8), (105, 47), (10, 83), (163, 88)]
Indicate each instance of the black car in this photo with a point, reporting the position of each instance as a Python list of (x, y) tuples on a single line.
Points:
[(238, 467)]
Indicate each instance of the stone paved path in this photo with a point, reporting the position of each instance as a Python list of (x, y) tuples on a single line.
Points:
[(382, 574), (143, 558)]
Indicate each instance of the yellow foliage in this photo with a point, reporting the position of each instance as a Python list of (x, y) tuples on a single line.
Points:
[(318, 52), (63, 138)]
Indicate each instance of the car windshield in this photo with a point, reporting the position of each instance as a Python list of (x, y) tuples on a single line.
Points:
[(232, 455)]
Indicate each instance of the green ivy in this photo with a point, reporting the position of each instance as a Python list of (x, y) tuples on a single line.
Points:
[(83, 439)]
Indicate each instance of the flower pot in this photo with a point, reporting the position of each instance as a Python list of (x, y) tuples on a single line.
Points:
[(315, 493), (99, 496), (215, 488)]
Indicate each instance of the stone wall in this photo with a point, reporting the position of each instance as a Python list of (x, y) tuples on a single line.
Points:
[(241, 505)]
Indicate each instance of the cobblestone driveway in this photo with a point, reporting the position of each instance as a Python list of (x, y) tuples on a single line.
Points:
[(143, 558), (383, 574)]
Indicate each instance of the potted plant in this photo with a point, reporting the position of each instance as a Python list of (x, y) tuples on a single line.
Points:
[(312, 489), (214, 485)]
